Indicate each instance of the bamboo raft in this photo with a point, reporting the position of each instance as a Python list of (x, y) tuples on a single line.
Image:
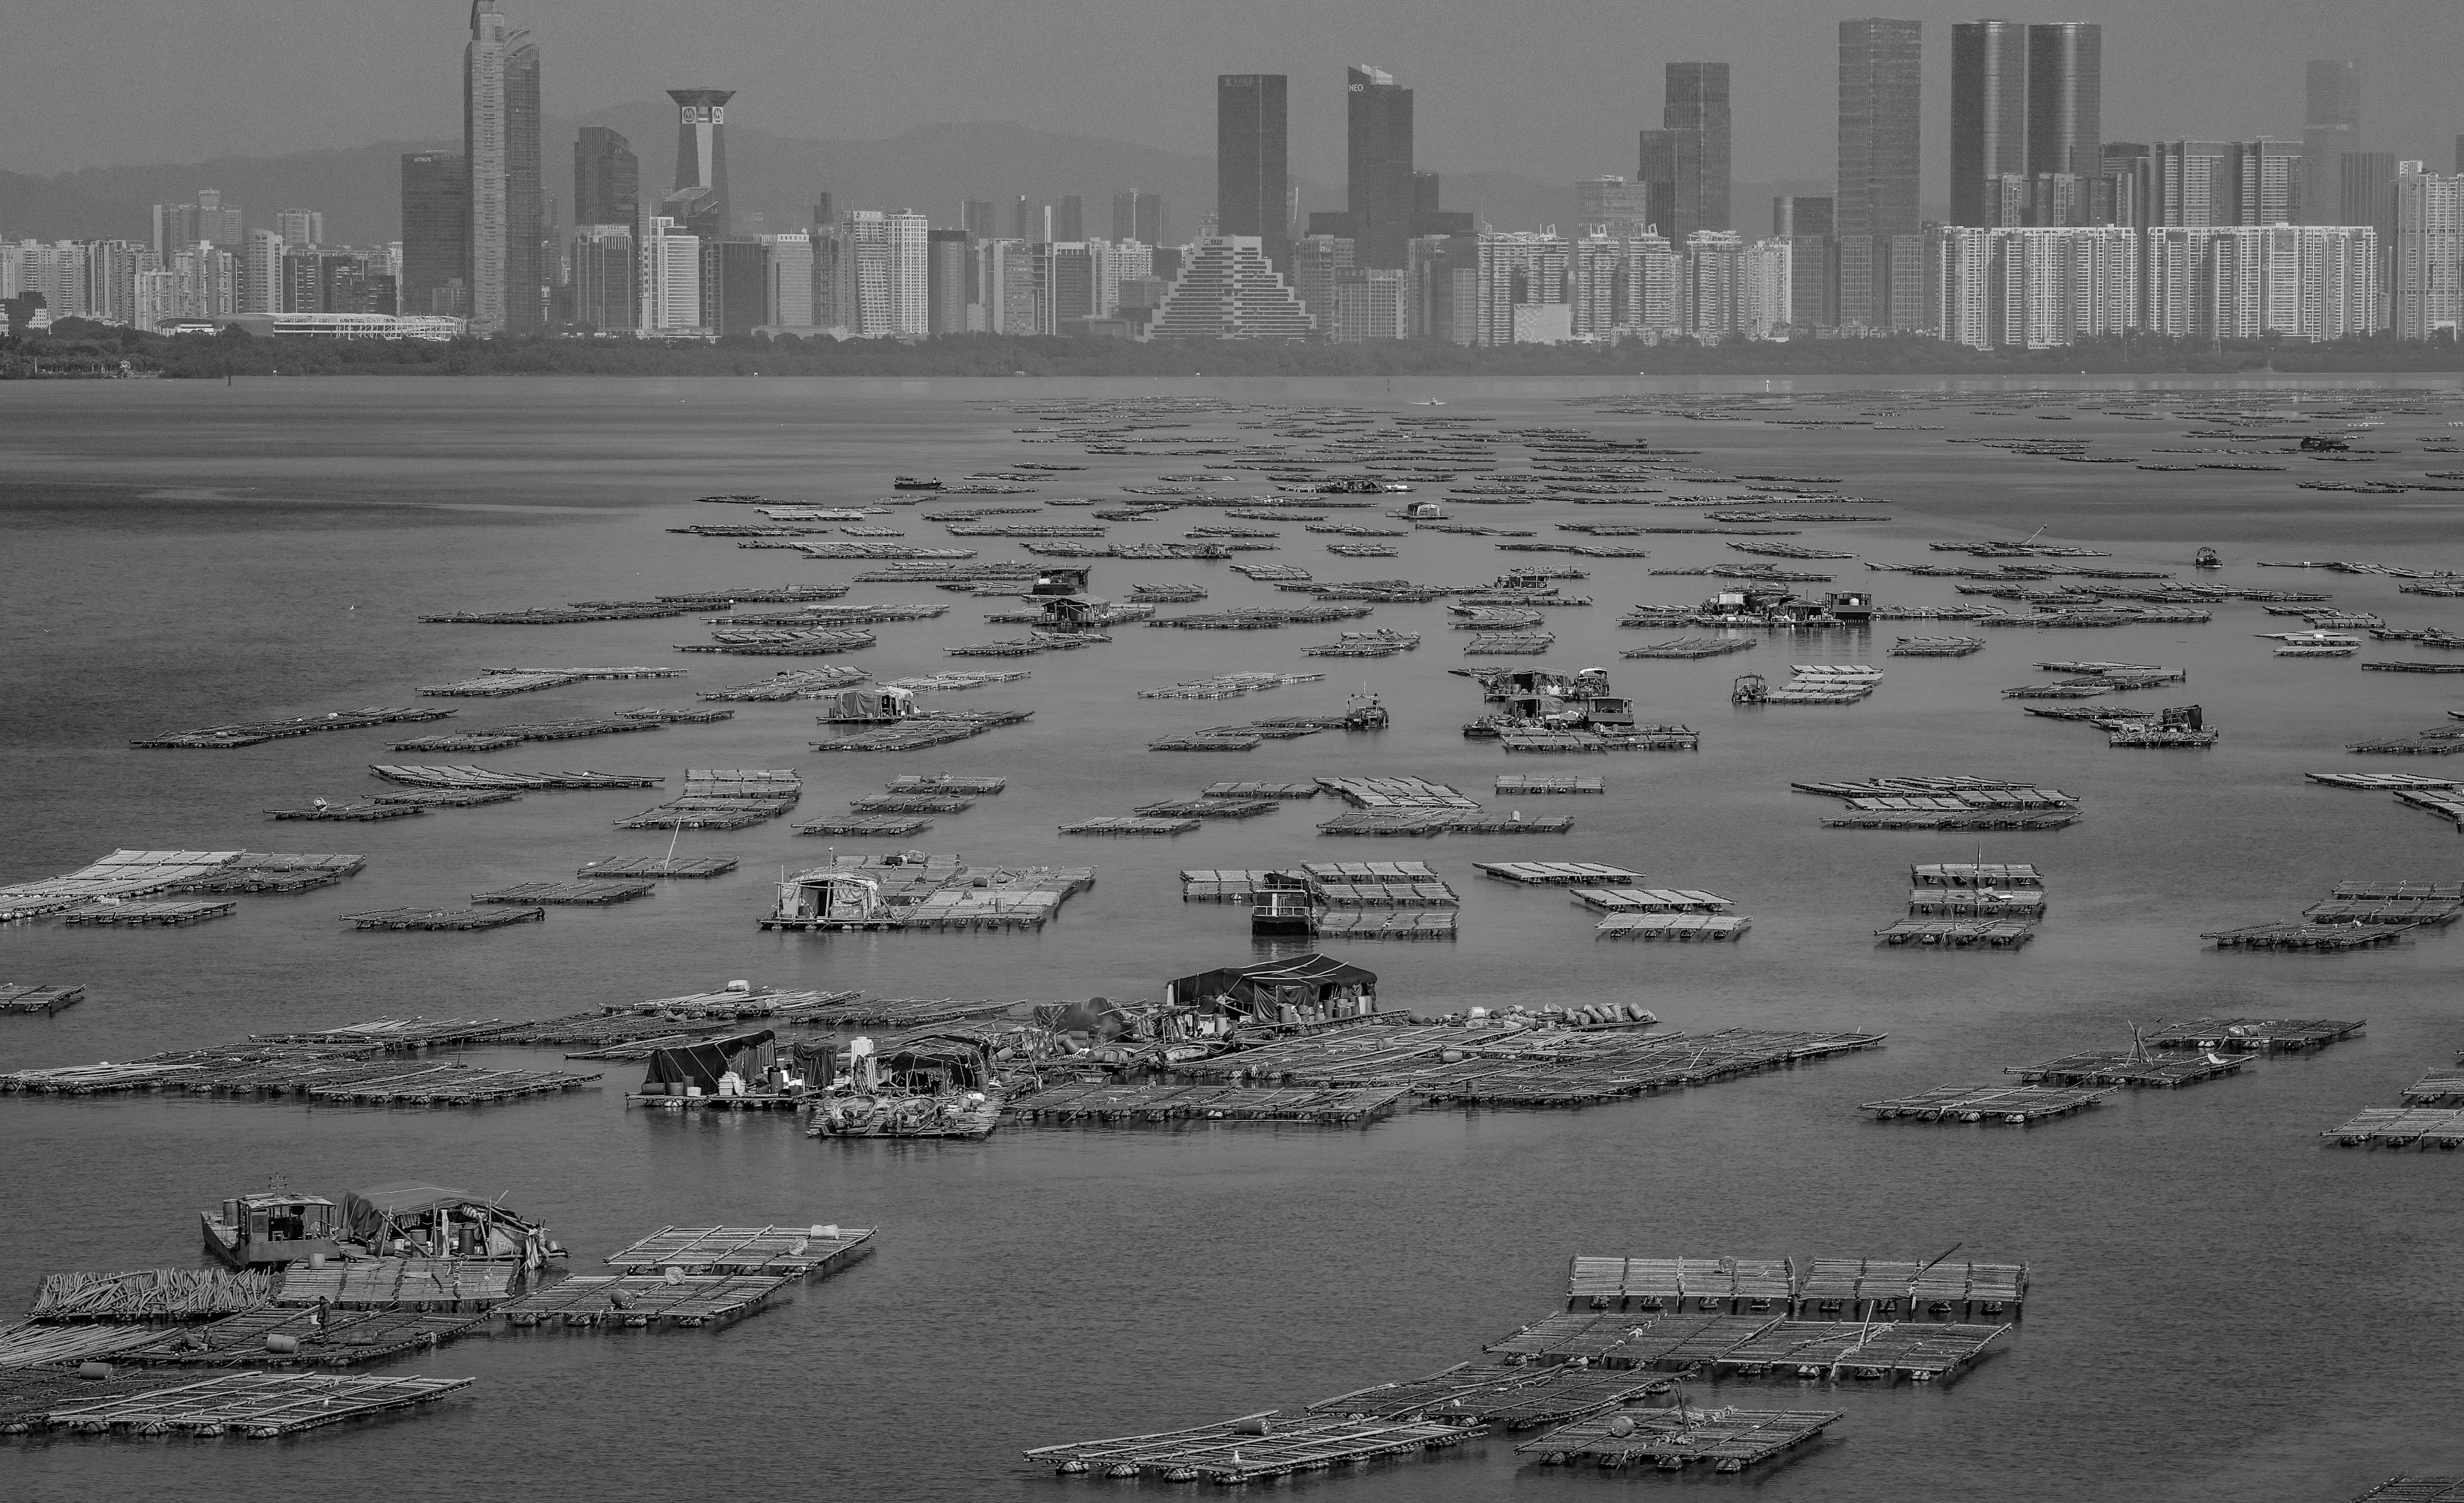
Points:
[(492, 682), (2256, 1035), (756, 643), (944, 783), (1921, 1351), (1147, 1103), (446, 798), (1937, 646), (360, 813), (815, 1251), (262, 1407), (121, 873), (459, 778), (658, 867), (1956, 902), (809, 683), (407, 919), (29, 997), (255, 732), (1958, 934), (152, 1294), (34, 1346), (1874, 1289), (390, 1035), (723, 798), (867, 825), (912, 804), (1734, 1286), (1687, 646), (2409, 911), (1671, 1440), (1255, 1447), (938, 729), (1130, 825), (674, 716), (2015, 1106), (421, 1284), (295, 1335), (1895, 819), (1514, 1399), (1975, 873), (2305, 936), (497, 738), (1259, 790), (1422, 823), (607, 1302), (2133, 1067), (141, 913), (1654, 738), (1671, 926), (2410, 891), (573, 893), (1207, 809), (1559, 873), (1651, 901), (1208, 741), (1520, 785)]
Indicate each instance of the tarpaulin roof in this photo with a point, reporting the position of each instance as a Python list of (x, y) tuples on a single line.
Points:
[(1243, 982), (368, 1212), (702, 1064)]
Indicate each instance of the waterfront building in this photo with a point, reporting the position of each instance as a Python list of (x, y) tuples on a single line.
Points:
[(1370, 303), (2246, 281), (1622, 285), (1228, 290)]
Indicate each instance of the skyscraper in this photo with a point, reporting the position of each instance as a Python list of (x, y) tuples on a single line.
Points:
[(701, 146), (1697, 101), (500, 141), (435, 234), (2331, 126), (606, 178), (1670, 169), (2065, 97), (1988, 112), (301, 226), (1069, 218), (1380, 193), (1250, 173), (945, 273), (976, 217), (1881, 76)]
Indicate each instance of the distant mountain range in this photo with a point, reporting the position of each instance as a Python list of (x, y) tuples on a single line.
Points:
[(777, 178)]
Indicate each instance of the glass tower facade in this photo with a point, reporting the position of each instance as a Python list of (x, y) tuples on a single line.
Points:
[(1250, 168)]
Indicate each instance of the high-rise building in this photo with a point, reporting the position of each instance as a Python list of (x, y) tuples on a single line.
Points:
[(1988, 112), (1806, 224), (2033, 288), (701, 147), (2191, 182), (435, 234), (261, 274), (2429, 292), (975, 217), (1697, 101), (1138, 216), (1620, 285), (2365, 184), (1522, 286), (1370, 303), (787, 266), (2248, 281), (1669, 167), (208, 219), (1767, 299), (1316, 261), (669, 269), (1025, 224), (2065, 97), (603, 286), (500, 141), (607, 179), (1880, 85), (2331, 126), (1379, 194), (734, 284), (2267, 181), (1251, 178), (1614, 205), (1069, 218), (1228, 290), (300, 226), (2118, 196), (945, 274), (1795, 215), (1711, 285)]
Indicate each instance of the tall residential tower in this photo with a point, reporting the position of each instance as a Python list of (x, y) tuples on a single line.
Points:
[(500, 142)]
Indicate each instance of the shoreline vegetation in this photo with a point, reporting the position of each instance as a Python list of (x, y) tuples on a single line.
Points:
[(77, 348)]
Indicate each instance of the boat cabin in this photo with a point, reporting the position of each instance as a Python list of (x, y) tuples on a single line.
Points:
[(1302, 991), (1061, 581), (273, 1229), (1073, 613), (833, 895), (1851, 606), (1282, 903), (416, 1218), (1424, 511)]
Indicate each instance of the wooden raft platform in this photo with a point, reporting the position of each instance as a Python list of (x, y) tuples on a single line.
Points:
[(658, 867), (1920, 1352), (405, 918), (336, 1338), (1671, 926), (1254, 1447), (1734, 1286), (866, 824), (2401, 1127), (19, 997), (585, 893), (797, 1252), (1957, 934), (1130, 825), (257, 733), (2015, 1106), (1892, 1289), (258, 1405), (1398, 925), (424, 1284), (2127, 1067), (1151, 1103), (1731, 1439), (612, 1301), (1513, 1399), (2259, 1035), (1518, 783), (2416, 1489), (1651, 901), (1559, 874), (140, 913), (2306, 937)]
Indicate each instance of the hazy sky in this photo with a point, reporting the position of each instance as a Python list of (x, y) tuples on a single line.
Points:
[(1551, 88)]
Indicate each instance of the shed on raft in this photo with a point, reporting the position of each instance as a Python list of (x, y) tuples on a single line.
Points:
[(1306, 988)]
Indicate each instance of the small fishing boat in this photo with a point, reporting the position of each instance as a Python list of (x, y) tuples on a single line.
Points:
[(910, 482), (2206, 559), (272, 1229)]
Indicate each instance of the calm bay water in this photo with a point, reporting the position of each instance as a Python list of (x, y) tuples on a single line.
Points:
[(2223, 1306)]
